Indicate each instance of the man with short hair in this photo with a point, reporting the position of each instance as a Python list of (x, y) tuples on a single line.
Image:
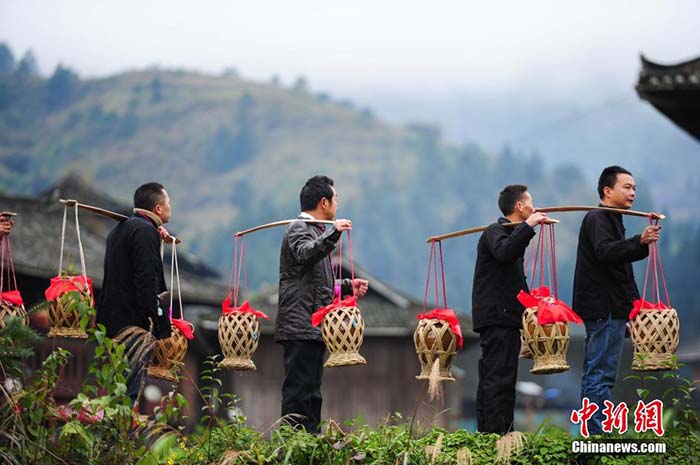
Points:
[(496, 311), (133, 273), (306, 284), (604, 285)]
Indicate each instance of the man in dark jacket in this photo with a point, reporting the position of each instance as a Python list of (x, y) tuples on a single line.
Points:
[(496, 312), (307, 283), (133, 273), (604, 285)]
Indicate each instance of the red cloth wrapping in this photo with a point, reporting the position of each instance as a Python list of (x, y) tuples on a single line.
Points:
[(64, 284), (227, 307), (640, 304), (549, 309), (321, 313), (185, 327), (12, 296), (448, 315)]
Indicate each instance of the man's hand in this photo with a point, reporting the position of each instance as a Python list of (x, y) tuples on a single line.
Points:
[(650, 234), (163, 233), (5, 227), (536, 218), (360, 286), (342, 225)]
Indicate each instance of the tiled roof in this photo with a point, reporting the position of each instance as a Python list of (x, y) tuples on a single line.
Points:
[(674, 90)]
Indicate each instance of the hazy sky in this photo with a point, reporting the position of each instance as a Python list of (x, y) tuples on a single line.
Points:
[(362, 46)]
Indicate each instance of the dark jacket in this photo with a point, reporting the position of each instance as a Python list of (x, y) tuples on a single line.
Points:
[(604, 281), (499, 275), (306, 279), (133, 278)]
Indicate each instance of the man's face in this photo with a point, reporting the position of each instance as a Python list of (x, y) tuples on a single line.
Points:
[(622, 194), (524, 206), (330, 208), (162, 210)]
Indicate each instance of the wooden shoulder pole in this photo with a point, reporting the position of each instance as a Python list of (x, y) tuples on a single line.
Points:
[(279, 223), (108, 214), (579, 208), (478, 229)]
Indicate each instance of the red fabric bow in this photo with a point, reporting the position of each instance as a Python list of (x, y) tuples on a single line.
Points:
[(448, 315), (185, 327), (64, 284), (321, 313), (227, 307), (12, 296), (640, 304), (549, 309)]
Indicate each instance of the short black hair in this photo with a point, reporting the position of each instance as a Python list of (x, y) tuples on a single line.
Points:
[(509, 196), (149, 195), (314, 190), (608, 178)]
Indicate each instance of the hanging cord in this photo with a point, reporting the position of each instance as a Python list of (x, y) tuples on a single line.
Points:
[(436, 276), (80, 249), (553, 245), (653, 269), (2, 264), (352, 266), (10, 265), (244, 268), (63, 239), (234, 261), (175, 279), (427, 279), (442, 269)]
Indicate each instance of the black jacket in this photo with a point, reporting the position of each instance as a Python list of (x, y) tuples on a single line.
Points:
[(499, 275), (604, 281), (306, 279), (133, 278)]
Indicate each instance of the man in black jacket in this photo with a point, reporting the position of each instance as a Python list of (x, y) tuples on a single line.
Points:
[(307, 283), (496, 312), (604, 285), (133, 273)]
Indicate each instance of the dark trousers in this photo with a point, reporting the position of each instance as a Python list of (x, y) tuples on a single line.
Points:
[(301, 387), (498, 372)]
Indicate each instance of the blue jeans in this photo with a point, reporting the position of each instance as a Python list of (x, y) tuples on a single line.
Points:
[(603, 349)]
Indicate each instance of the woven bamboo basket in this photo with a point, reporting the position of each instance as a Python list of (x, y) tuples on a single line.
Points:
[(8, 310), (238, 336), (548, 343), (168, 356), (524, 345), (343, 331), (435, 342), (655, 338), (64, 315)]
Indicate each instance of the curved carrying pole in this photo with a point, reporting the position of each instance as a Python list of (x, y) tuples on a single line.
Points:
[(108, 213), (584, 208), (279, 223), (478, 229)]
